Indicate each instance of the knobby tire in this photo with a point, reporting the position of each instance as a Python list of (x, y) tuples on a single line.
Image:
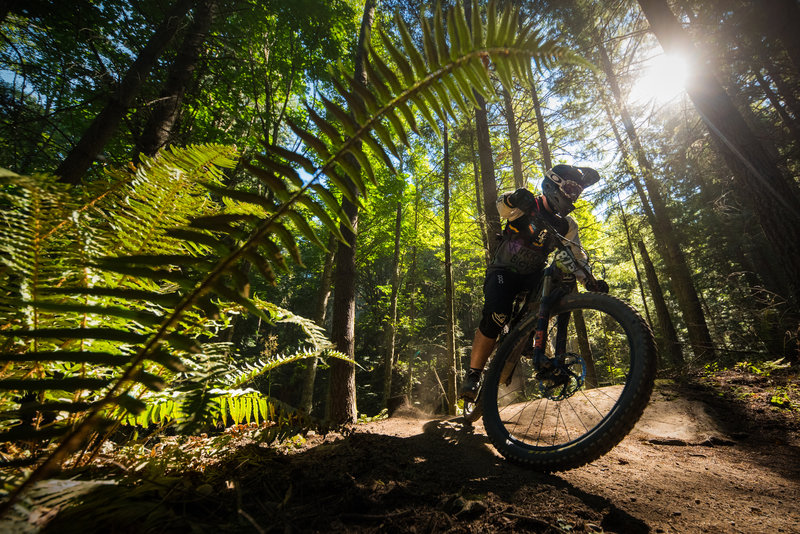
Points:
[(530, 424)]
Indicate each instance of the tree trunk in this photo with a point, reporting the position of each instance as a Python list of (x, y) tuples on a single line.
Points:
[(585, 347), (488, 181), (629, 240), (489, 184), (668, 332), (323, 295), (342, 393), (411, 289), (105, 124), (478, 202), (342, 387), (391, 328), (450, 334), (758, 178), (513, 139), (165, 111), (543, 144), (666, 237)]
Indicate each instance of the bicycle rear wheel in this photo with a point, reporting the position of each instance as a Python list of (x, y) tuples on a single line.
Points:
[(606, 360)]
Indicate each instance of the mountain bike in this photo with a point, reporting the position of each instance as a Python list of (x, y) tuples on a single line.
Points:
[(568, 382)]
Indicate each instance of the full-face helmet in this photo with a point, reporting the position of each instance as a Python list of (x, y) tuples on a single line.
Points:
[(563, 184)]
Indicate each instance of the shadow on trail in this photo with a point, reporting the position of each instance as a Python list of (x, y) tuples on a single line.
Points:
[(444, 479), (483, 471)]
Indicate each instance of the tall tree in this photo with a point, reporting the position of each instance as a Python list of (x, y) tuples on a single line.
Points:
[(513, 139), (664, 319), (486, 159), (665, 233), (164, 111), (665, 323), (544, 145), (476, 171), (105, 124), (488, 180), (760, 181), (342, 394), (391, 326), (450, 334), (320, 311)]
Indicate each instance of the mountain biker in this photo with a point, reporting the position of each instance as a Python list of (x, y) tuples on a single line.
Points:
[(520, 258)]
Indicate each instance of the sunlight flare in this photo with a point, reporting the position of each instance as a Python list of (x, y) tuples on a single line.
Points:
[(662, 79)]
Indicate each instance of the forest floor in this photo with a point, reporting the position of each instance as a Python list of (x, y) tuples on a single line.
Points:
[(714, 454)]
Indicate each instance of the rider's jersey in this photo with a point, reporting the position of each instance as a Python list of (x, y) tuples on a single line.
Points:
[(524, 248)]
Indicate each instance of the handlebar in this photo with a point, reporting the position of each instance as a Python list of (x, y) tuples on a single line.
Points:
[(565, 256)]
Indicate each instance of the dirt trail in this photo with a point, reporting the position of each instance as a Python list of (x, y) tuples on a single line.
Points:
[(698, 461), (688, 466)]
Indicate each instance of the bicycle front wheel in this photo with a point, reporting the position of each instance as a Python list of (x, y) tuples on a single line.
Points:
[(604, 359)]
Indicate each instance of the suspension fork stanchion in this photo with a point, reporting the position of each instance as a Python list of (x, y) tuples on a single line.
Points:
[(540, 337)]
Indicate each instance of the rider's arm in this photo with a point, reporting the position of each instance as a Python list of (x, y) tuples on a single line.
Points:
[(512, 206), (505, 209), (575, 246)]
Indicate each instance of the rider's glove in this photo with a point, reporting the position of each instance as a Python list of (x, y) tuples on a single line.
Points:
[(598, 286), (522, 199)]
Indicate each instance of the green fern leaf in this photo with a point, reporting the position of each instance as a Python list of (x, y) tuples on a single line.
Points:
[(281, 170), (325, 127), (310, 140), (429, 46), (141, 317), (441, 39), (457, 46), (363, 162), (294, 157), (287, 240), (417, 62), (322, 215), (476, 27), (385, 73), (356, 105)]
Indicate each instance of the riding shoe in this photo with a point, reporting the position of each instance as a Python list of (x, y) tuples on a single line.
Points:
[(471, 385)]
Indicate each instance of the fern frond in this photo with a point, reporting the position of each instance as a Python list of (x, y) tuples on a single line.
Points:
[(423, 87)]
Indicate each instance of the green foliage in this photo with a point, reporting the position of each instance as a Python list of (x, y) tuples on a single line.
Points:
[(73, 311), (452, 66), (763, 368), (139, 290), (786, 397)]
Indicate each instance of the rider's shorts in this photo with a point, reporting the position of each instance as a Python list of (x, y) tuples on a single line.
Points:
[(499, 289)]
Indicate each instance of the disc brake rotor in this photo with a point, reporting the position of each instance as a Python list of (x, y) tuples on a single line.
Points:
[(564, 378)]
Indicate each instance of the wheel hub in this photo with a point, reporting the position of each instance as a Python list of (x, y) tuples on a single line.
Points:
[(563, 378)]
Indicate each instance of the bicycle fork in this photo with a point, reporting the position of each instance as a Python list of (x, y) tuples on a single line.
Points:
[(549, 298)]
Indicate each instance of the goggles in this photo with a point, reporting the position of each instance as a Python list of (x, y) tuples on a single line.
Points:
[(571, 189)]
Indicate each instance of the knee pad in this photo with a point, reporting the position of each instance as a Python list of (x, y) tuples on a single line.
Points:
[(492, 324)]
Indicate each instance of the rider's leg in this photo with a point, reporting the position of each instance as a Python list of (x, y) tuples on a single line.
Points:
[(499, 289), (482, 346)]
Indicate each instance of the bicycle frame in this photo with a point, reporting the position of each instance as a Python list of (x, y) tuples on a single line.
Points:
[(564, 261)]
